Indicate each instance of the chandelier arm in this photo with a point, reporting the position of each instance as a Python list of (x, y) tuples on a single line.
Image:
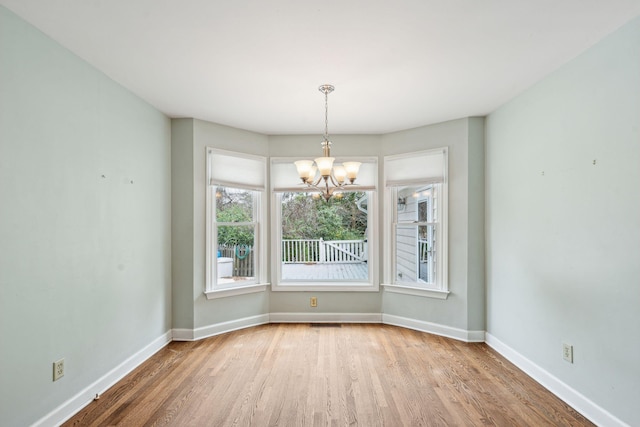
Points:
[(328, 191)]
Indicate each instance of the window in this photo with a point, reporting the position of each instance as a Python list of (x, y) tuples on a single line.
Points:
[(416, 223), (323, 245), (235, 214), (416, 230)]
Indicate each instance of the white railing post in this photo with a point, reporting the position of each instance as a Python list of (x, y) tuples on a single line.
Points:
[(322, 257)]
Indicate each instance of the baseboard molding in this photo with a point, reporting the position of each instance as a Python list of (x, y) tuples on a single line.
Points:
[(572, 397), (325, 318), (433, 328), (576, 400), (219, 328), (86, 396)]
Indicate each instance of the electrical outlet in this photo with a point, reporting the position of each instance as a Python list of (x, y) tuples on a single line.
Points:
[(314, 302), (58, 369), (567, 352)]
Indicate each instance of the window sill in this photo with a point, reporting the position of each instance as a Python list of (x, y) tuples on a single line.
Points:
[(240, 290), (420, 292), (324, 287)]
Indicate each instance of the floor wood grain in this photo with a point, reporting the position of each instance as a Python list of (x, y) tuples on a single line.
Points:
[(300, 375)]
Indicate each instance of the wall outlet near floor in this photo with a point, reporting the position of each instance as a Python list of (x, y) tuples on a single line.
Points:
[(58, 369), (314, 302), (567, 352)]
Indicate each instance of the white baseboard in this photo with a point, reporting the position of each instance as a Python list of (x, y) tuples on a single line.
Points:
[(572, 397), (86, 396), (434, 328), (218, 328), (576, 400), (325, 318)]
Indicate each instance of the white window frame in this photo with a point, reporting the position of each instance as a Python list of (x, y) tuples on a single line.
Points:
[(440, 288), (258, 187), (372, 284)]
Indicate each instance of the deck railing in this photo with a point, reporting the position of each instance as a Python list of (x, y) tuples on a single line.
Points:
[(423, 250), (299, 251), (323, 251)]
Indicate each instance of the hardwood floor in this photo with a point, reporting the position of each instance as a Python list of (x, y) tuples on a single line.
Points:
[(304, 375)]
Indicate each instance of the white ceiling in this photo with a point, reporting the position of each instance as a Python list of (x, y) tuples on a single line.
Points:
[(256, 64)]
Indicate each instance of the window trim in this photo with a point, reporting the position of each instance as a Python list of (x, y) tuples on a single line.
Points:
[(420, 292), (373, 282), (211, 290), (440, 289)]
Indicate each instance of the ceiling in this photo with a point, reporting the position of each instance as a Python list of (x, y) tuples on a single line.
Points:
[(257, 64)]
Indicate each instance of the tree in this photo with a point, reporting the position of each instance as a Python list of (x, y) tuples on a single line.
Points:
[(234, 206), (306, 217)]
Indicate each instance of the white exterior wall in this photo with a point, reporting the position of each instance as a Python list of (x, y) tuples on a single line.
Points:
[(407, 249)]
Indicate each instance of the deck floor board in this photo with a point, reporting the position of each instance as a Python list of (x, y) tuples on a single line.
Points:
[(352, 271)]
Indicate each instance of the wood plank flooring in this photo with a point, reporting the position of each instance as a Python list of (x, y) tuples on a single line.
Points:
[(301, 375)]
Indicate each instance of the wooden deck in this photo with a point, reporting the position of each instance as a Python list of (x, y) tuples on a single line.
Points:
[(353, 271)]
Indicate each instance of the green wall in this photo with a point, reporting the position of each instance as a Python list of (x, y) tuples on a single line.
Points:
[(464, 308), (563, 233), (182, 213), (193, 309), (84, 226)]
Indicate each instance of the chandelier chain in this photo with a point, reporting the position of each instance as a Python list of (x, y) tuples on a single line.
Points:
[(326, 115)]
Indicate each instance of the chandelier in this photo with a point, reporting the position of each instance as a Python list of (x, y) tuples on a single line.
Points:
[(332, 177)]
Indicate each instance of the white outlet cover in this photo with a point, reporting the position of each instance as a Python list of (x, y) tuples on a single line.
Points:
[(567, 352), (58, 369)]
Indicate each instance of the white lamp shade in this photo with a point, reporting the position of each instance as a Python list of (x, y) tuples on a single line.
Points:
[(339, 173), (324, 165), (304, 168), (312, 173), (352, 169)]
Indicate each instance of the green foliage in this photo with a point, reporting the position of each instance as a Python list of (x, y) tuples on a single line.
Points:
[(233, 213), (234, 206), (235, 235), (305, 217)]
